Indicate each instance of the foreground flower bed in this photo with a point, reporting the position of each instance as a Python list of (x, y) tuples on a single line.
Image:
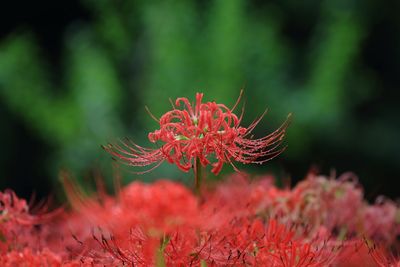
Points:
[(320, 222)]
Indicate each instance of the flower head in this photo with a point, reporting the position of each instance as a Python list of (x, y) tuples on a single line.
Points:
[(206, 132)]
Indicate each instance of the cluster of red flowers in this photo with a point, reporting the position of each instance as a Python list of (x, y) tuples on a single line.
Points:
[(320, 222)]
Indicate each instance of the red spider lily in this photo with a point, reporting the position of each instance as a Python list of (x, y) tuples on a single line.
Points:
[(382, 260), (21, 225), (196, 133), (27, 257)]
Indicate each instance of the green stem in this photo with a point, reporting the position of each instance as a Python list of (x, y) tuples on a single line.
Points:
[(198, 176)]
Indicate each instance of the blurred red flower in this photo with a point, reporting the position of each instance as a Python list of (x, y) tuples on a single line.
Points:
[(240, 223)]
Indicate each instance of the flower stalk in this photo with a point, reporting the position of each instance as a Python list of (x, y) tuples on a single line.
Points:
[(198, 177)]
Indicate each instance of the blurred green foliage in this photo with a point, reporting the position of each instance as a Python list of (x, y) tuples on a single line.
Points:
[(135, 53)]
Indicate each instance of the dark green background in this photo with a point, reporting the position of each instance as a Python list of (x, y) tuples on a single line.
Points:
[(77, 74)]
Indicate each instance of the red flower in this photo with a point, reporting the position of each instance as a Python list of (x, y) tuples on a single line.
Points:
[(207, 132)]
